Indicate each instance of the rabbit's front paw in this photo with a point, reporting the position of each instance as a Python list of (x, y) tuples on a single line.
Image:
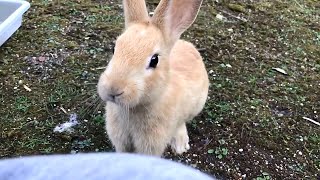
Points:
[(180, 142)]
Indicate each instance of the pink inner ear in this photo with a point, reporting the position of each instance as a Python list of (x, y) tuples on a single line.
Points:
[(175, 12), (180, 15)]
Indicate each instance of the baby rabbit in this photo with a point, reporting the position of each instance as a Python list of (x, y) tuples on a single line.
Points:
[(154, 83)]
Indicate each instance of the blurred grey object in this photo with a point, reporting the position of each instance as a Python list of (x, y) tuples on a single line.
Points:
[(96, 166)]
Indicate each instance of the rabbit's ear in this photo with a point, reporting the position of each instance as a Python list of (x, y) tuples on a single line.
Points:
[(173, 17), (135, 11)]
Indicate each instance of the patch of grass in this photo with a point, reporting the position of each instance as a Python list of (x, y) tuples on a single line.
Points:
[(99, 119), (22, 103), (31, 143), (47, 150), (264, 176), (81, 145), (220, 151)]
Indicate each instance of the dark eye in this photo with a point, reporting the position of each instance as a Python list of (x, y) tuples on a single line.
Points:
[(154, 61)]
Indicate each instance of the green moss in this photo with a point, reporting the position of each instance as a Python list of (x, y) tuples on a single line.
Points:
[(237, 7)]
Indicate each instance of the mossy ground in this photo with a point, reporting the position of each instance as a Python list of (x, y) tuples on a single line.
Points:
[(252, 125)]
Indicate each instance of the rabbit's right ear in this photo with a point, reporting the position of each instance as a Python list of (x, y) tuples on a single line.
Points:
[(135, 11), (173, 17)]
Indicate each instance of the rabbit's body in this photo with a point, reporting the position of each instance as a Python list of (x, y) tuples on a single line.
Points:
[(155, 82), (150, 127)]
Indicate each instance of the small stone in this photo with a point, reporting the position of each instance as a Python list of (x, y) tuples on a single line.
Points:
[(41, 58), (20, 82), (241, 150), (280, 114), (230, 30), (220, 17)]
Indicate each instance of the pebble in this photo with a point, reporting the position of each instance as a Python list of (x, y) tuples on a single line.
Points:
[(220, 17), (240, 150)]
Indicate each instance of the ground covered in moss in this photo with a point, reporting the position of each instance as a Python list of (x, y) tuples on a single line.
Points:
[(254, 125)]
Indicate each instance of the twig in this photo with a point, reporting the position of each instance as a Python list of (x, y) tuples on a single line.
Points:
[(311, 120), (26, 88), (298, 4), (202, 49), (99, 68), (237, 17), (205, 145), (63, 110)]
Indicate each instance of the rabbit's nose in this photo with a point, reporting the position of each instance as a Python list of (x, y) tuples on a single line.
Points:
[(113, 96)]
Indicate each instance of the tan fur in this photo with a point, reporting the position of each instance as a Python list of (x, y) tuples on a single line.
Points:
[(154, 105), (137, 11)]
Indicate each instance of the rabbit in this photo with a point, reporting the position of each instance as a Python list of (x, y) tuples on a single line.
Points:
[(155, 82)]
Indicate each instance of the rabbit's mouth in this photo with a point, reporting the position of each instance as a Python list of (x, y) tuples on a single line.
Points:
[(114, 97), (123, 100)]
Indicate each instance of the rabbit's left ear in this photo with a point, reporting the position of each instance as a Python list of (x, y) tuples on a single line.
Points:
[(173, 17), (135, 11)]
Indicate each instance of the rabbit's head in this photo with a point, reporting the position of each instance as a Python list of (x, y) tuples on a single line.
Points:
[(139, 70)]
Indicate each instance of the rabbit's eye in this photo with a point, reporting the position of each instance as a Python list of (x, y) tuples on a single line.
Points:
[(154, 61)]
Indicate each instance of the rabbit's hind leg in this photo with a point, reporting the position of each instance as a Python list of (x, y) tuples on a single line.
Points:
[(180, 141)]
